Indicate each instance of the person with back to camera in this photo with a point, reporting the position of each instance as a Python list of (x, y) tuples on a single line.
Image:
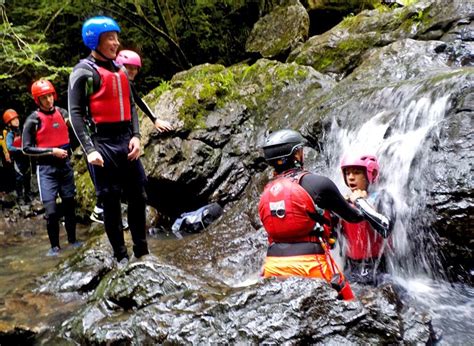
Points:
[(106, 125), (365, 245), (46, 137), (295, 209)]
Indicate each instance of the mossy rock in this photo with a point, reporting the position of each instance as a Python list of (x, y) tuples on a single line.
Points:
[(341, 49)]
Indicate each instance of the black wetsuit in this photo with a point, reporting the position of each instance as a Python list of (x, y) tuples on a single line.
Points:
[(141, 104), (55, 177), (119, 174)]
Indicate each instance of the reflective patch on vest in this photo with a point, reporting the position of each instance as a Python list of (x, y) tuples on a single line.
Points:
[(278, 209)]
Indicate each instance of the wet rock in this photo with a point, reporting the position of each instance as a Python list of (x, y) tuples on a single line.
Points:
[(82, 272), (166, 309)]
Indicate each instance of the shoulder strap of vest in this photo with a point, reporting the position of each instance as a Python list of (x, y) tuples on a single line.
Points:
[(296, 177), (90, 80)]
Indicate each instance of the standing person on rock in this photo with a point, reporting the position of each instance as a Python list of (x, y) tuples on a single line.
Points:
[(365, 245), (105, 121), (21, 162), (295, 209), (132, 63), (46, 137)]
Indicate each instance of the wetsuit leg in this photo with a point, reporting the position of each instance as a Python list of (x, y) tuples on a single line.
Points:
[(136, 197), (52, 222), (113, 224), (137, 224), (67, 191), (69, 207)]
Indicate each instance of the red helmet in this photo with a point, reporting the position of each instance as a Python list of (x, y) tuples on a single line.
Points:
[(9, 115), (369, 162), (42, 87)]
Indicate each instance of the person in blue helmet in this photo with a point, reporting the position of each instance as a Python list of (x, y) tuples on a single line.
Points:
[(105, 121)]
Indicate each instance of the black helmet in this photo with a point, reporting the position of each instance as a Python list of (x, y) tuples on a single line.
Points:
[(281, 144)]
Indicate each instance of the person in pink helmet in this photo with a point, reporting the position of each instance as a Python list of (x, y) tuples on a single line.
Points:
[(365, 244), (132, 63)]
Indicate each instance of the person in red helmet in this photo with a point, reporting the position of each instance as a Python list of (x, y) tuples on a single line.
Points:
[(132, 63), (295, 209), (21, 162), (365, 244), (46, 137), (105, 121)]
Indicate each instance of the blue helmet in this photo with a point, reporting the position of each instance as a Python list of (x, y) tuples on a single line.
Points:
[(93, 27)]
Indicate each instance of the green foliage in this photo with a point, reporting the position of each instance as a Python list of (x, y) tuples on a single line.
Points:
[(42, 38)]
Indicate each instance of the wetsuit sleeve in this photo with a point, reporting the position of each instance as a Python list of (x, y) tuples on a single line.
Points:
[(10, 138), (133, 108), (32, 124), (326, 195), (385, 205), (78, 101), (142, 104)]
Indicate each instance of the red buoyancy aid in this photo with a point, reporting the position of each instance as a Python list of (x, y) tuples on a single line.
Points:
[(53, 132), (285, 208), (363, 242), (17, 140), (111, 103)]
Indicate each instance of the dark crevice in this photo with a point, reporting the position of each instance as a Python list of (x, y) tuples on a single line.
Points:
[(323, 20)]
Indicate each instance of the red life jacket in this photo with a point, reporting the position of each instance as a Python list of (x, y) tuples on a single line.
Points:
[(17, 140), (111, 103), (285, 208), (53, 132), (363, 242)]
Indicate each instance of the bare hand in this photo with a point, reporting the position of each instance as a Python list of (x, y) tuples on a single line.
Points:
[(163, 126), (59, 153), (134, 148), (357, 194), (95, 158), (7, 157)]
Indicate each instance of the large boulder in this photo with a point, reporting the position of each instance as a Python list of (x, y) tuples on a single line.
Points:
[(280, 31)]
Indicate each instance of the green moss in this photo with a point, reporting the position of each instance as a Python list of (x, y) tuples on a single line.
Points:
[(164, 86), (200, 93)]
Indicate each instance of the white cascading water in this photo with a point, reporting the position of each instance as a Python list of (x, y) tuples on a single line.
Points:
[(399, 138)]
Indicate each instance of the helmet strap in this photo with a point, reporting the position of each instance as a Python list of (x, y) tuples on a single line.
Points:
[(102, 55)]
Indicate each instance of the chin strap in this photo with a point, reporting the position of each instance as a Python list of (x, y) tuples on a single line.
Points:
[(378, 221), (102, 55)]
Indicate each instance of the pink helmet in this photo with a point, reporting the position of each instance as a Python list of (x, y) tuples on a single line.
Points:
[(128, 57), (369, 162)]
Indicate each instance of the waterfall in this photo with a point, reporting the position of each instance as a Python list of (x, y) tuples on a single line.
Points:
[(400, 133)]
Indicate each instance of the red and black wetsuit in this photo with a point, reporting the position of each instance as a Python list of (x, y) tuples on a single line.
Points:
[(44, 131), (104, 119), (365, 247)]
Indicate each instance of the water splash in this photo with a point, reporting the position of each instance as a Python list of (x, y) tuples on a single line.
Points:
[(398, 134)]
